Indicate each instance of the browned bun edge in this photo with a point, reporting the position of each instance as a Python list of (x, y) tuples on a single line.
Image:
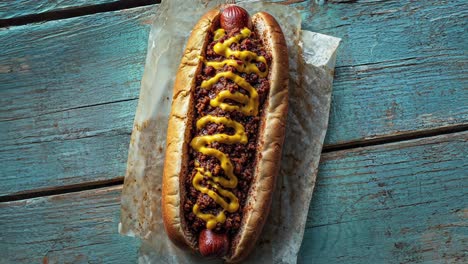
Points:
[(270, 141), (178, 133)]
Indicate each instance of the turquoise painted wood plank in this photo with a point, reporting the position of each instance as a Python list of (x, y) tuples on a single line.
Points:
[(93, 121), (78, 160), (90, 88), (71, 228), (383, 30), (72, 63), (18, 8), (404, 202), (63, 120), (395, 203), (401, 65), (398, 97)]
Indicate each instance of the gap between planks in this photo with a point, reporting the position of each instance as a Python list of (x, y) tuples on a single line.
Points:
[(75, 12), (406, 136), (327, 149), (24, 195), (89, 10)]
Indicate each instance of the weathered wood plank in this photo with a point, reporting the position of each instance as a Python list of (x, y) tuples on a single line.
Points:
[(72, 63), (75, 159), (400, 67), (65, 121), (404, 202), (90, 88), (383, 30), (72, 228), (395, 203), (92, 121), (397, 97), (19, 8)]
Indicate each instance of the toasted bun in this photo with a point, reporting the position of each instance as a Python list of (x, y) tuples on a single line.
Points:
[(270, 138)]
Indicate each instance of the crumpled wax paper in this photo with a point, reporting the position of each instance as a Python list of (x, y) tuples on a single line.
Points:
[(312, 61)]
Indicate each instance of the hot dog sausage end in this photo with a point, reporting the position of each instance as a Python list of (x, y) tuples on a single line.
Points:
[(234, 17), (212, 244)]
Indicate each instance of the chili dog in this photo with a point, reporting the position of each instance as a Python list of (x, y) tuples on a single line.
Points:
[(225, 133)]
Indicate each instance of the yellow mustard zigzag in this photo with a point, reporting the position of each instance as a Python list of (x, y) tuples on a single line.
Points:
[(248, 106)]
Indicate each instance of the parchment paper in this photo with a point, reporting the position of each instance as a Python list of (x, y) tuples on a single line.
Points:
[(312, 61)]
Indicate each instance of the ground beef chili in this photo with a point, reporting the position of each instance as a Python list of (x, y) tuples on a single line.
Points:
[(242, 156)]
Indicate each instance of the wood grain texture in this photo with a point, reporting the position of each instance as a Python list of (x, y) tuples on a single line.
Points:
[(68, 98), (72, 63), (19, 8), (403, 202), (401, 66), (79, 78), (70, 151), (76, 160), (72, 228), (395, 203)]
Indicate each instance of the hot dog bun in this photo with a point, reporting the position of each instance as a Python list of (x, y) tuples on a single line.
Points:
[(270, 136)]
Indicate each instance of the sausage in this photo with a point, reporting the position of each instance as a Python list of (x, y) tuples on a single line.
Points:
[(213, 244), (225, 133), (235, 17)]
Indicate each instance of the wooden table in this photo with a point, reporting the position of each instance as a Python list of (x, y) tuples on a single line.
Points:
[(393, 180)]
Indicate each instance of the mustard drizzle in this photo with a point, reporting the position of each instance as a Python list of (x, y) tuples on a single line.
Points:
[(248, 106)]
